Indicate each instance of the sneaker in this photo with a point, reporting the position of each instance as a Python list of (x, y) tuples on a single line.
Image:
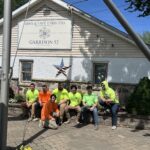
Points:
[(107, 111), (30, 119), (77, 122), (67, 122), (96, 127), (35, 119), (60, 123), (40, 124), (113, 127)]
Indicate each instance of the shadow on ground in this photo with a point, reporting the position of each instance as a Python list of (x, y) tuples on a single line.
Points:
[(147, 135), (31, 138), (16, 118), (10, 148)]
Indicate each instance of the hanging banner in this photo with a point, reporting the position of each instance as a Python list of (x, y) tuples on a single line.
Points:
[(45, 34)]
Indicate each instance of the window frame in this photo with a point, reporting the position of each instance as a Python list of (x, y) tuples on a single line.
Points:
[(21, 72), (98, 63)]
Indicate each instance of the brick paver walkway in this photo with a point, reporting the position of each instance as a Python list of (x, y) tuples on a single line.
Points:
[(69, 137)]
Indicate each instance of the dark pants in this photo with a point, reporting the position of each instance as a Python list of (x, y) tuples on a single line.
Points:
[(38, 110), (26, 110), (114, 108), (85, 113)]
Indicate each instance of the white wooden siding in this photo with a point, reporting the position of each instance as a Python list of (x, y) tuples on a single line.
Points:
[(84, 42)]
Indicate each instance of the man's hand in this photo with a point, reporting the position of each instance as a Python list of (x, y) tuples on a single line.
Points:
[(53, 119), (62, 102), (55, 114), (108, 102), (29, 105), (92, 108), (41, 104)]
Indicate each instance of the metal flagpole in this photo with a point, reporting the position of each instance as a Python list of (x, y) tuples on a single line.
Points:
[(139, 42), (5, 73)]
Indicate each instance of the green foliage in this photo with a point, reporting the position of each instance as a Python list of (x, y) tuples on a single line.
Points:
[(19, 98), (139, 101), (139, 5), (146, 37)]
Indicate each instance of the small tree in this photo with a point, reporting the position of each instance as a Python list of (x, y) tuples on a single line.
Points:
[(139, 101), (146, 37), (15, 5)]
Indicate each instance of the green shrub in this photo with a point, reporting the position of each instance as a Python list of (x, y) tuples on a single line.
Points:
[(139, 100), (19, 98)]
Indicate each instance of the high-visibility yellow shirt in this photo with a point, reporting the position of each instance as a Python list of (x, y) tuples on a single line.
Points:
[(31, 96), (61, 95), (75, 99)]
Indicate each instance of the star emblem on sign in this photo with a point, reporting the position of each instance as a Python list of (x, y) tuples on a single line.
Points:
[(61, 68)]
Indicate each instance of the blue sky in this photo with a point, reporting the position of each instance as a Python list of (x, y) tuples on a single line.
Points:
[(98, 9)]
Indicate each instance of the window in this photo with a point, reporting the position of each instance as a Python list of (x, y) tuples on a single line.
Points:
[(100, 72), (26, 70)]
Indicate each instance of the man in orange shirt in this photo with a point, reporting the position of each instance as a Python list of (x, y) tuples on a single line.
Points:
[(49, 113), (44, 97)]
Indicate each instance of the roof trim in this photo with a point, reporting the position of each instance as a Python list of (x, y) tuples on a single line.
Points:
[(80, 13)]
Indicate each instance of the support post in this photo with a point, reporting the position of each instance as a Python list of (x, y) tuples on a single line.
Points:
[(139, 42), (5, 73)]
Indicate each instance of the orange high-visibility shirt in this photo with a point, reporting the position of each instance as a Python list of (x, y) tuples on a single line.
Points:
[(48, 109), (44, 97)]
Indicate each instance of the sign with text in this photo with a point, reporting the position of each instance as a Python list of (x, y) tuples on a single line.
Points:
[(45, 34)]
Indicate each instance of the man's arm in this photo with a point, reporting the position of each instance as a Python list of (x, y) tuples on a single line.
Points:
[(95, 104), (84, 101), (40, 99), (65, 99), (36, 96)]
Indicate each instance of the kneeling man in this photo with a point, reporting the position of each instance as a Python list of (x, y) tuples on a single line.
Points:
[(50, 113)]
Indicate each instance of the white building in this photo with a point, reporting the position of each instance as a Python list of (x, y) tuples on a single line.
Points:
[(54, 31)]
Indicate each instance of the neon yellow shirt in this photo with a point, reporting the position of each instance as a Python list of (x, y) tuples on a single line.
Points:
[(90, 100), (61, 95), (75, 99), (31, 96), (108, 93)]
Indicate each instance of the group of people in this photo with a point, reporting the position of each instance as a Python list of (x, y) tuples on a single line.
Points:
[(50, 106)]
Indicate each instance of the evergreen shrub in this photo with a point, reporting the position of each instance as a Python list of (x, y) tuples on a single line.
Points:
[(139, 100)]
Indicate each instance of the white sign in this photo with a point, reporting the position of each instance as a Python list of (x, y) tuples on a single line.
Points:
[(45, 34)]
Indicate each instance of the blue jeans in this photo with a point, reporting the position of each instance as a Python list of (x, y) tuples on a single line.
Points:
[(114, 108), (85, 110)]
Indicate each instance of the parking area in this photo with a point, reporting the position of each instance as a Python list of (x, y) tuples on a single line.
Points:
[(72, 137)]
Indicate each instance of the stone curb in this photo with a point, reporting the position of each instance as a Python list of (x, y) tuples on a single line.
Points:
[(124, 119)]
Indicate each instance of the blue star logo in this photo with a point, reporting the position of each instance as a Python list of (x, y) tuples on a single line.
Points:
[(61, 68)]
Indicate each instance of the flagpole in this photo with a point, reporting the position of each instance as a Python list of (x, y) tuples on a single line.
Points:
[(5, 73)]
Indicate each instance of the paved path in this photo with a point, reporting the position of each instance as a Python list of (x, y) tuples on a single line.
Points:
[(69, 137)]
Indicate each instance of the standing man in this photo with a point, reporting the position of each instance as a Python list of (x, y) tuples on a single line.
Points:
[(75, 99), (44, 97), (90, 101), (31, 99), (108, 99), (61, 99)]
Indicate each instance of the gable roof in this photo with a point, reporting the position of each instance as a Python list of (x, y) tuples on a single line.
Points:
[(80, 13)]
